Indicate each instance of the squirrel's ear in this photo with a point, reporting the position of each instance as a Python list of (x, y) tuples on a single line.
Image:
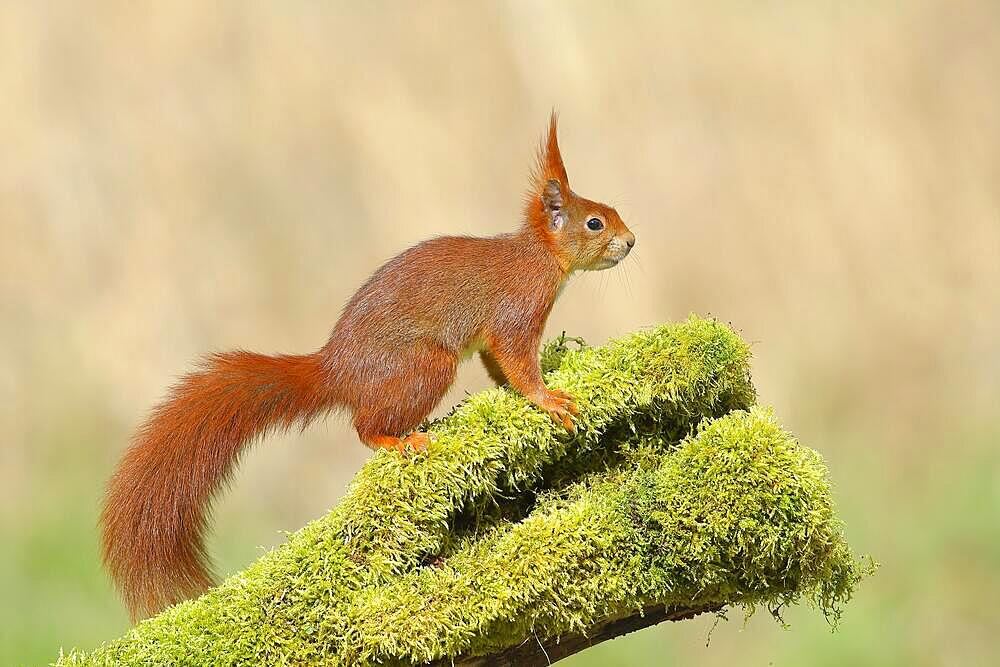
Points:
[(549, 184), (552, 200)]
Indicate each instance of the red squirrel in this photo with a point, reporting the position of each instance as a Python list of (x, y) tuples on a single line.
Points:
[(391, 357)]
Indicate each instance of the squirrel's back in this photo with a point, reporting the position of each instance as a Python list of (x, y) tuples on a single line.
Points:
[(446, 288)]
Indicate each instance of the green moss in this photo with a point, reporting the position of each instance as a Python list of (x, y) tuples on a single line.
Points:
[(739, 513), (531, 530)]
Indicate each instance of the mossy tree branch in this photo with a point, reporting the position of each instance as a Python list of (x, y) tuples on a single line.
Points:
[(674, 492)]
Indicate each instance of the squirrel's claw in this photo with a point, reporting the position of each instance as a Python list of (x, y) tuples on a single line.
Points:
[(570, 404)]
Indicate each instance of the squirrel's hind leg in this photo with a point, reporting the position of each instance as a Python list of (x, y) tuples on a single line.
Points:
[(415, 387)]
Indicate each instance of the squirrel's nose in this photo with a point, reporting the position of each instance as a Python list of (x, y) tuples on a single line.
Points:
[(629, 239)]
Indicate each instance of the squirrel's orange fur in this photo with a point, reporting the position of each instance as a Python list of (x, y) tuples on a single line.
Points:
[(391, 357)]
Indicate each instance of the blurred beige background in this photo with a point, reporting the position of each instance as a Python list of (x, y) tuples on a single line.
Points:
[(183, 177)]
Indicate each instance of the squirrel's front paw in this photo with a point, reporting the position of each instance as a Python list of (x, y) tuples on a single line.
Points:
[(560, 407)]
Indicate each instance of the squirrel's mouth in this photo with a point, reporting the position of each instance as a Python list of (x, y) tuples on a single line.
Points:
[(620, 255), (614, 252), (608, 261)]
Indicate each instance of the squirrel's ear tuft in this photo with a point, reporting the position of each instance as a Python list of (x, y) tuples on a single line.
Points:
[(551, 159)]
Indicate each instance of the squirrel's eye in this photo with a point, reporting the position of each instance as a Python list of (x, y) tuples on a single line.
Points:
[(595, 225)]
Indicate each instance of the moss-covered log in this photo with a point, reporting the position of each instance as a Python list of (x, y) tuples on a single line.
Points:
[(507, 528)]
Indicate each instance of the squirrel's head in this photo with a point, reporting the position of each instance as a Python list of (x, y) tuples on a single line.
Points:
[(583, 234)]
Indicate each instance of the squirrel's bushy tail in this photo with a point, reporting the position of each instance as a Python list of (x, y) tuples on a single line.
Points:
[(156, 509)]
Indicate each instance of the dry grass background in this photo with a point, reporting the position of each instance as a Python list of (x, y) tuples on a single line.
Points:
[(184, 177)]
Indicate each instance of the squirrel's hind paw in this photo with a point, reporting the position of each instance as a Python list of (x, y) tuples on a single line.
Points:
[(417, 441)]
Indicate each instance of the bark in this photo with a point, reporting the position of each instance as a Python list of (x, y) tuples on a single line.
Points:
[(541, 652)]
